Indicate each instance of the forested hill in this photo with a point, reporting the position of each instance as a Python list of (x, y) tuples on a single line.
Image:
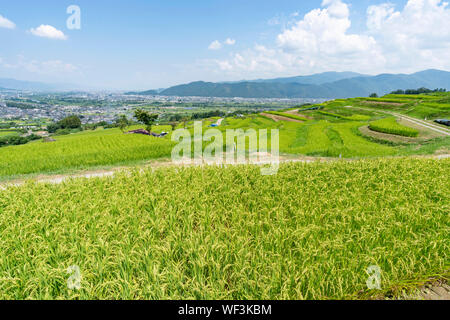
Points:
[(312, 86)]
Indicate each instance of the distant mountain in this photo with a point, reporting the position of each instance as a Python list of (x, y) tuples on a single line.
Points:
[(247, 90), (144, 93), (153, 92), (25, 85), (318, 79), (385, 83), (36, 86), (313, 86)]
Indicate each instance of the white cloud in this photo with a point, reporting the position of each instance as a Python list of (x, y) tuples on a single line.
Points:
[(415, 37), (319, 41), (47, 31), (377, 14), (215, 45), (274, 21), (324, 32), (230, 42), (57, 66), (5, 23), (285, 21)]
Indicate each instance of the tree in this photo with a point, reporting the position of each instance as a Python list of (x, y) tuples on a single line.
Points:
[(146, 118), (53, 127), (173, 125), (122, 122), (185, 120), (71, 122), (400, 91), (373, 95)]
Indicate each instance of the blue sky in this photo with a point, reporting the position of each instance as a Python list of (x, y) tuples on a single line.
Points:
[(140, 44)]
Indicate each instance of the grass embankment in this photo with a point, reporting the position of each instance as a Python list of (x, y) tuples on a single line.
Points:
[(309, 232), (391, 126)]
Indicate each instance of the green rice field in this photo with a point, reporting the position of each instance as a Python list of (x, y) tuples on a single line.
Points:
[(391, 126), (81, 150), (309, 232), (4, 133)]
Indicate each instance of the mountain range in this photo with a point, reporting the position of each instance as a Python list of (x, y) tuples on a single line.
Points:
[(331, 85), (25, 85), (318, 79)]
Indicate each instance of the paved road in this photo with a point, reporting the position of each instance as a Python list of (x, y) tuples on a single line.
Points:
[(422, 123)]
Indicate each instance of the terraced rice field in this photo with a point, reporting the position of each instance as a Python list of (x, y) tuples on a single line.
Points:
[(334, 140), (391, 126), (309, 232), (424, 106), (332, 131)]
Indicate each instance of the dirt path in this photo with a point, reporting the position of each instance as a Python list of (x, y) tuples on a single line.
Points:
[(436, 292), (297, 113), (278, 118), (383, 103), (264, 159), (433, 290)]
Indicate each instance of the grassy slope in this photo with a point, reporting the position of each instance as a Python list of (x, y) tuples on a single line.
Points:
[(308, 232)]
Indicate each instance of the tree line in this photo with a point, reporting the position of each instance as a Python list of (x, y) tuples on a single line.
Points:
[(17, 140), (208, 114), (418, 91)]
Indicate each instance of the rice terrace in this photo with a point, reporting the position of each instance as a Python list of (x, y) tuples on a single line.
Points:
[(329, 186), (247, 237)]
